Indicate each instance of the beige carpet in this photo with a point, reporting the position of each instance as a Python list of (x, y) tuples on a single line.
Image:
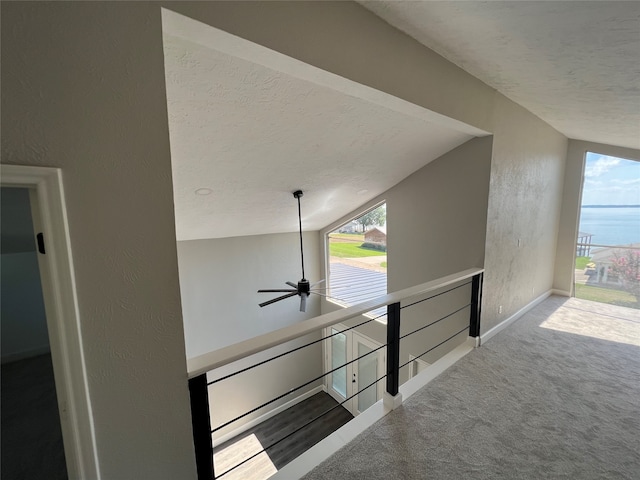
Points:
[(554, 396)]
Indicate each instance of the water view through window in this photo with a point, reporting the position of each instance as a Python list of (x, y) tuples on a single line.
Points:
[(608, 253)]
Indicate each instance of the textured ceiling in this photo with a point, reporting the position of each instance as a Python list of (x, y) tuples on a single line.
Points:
[(253, 134), (576, 65)]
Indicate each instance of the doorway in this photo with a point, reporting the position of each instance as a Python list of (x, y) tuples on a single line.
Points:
[(358, 362), (32, 445), (62, 316)]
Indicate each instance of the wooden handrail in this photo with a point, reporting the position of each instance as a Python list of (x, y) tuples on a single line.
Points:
[(223, 356)]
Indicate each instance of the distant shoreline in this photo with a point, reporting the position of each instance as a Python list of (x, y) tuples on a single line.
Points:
[(610, 206)]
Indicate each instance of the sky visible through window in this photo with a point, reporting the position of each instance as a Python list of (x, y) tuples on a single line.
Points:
[(611, 181)]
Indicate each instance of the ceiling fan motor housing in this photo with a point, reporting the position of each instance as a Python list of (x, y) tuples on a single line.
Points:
[(304, 286)]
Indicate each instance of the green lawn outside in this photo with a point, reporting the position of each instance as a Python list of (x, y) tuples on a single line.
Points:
[(383, 264), (352, 250), (606, 295), (581, 262)]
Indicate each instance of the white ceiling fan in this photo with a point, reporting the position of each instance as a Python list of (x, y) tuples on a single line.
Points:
[(303, 287)]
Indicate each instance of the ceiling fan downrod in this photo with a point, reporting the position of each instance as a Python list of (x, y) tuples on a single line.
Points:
[(297, 194), (303, 288)]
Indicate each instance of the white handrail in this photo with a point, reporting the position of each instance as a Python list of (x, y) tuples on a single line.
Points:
[(223, 356)]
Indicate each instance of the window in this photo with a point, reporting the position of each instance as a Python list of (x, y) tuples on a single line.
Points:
[(608, 244), (358, 259)]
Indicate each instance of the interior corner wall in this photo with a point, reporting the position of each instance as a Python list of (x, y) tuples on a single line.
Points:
[(83, 90), (571, 201), (527, 175), (219, 280)]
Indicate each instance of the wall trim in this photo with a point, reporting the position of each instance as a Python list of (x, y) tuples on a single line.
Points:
[(504, 324), (63, 315), (266, 416), (562, 293), (23, 354)]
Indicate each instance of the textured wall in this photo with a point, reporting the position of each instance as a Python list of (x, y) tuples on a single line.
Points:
[(527, 172), (83, 90)]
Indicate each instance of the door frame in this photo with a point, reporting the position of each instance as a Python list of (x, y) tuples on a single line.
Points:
[(62, 312), (352, 337)]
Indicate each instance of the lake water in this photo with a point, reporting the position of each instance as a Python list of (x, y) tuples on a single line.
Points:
[(611, 226)]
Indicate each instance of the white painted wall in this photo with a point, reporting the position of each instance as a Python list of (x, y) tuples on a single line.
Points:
[(219, 280), (571, 201), (24, 323)]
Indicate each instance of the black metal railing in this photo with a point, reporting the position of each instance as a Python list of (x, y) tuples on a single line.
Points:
[(199, 384)]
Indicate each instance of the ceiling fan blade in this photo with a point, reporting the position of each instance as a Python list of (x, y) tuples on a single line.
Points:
[(274, 300), (276, 290), (291, 284), (317, 283), (303, 302)]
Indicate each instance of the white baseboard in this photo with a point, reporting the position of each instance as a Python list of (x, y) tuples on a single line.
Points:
[(33, 352), (266, 416), (504, 324), (324, 449), (562, 293)]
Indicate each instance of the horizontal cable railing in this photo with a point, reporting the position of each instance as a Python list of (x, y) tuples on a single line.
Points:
[(598, 245), (199, 366)]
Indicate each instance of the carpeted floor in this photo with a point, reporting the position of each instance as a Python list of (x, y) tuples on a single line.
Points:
[(554, 396)]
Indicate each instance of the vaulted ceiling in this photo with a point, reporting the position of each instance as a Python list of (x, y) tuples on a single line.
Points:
[(248, 126), (574, 64)]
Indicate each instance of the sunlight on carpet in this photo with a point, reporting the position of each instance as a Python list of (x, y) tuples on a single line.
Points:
[(610, 325)]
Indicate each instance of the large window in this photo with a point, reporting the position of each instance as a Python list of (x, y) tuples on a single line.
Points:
[(608, 253), (358, 259)]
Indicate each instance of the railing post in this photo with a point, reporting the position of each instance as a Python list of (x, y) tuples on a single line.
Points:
[(393, 348), (201, 424), (476, 301)]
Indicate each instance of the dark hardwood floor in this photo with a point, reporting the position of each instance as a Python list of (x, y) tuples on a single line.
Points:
[(270, 434)]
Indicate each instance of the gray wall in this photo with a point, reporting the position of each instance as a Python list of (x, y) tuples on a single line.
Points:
[(572, 196), (83, 89), (436, 224), (437, 217), (525, 196)]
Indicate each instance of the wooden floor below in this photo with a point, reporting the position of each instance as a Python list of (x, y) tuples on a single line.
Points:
[(272, 435)]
